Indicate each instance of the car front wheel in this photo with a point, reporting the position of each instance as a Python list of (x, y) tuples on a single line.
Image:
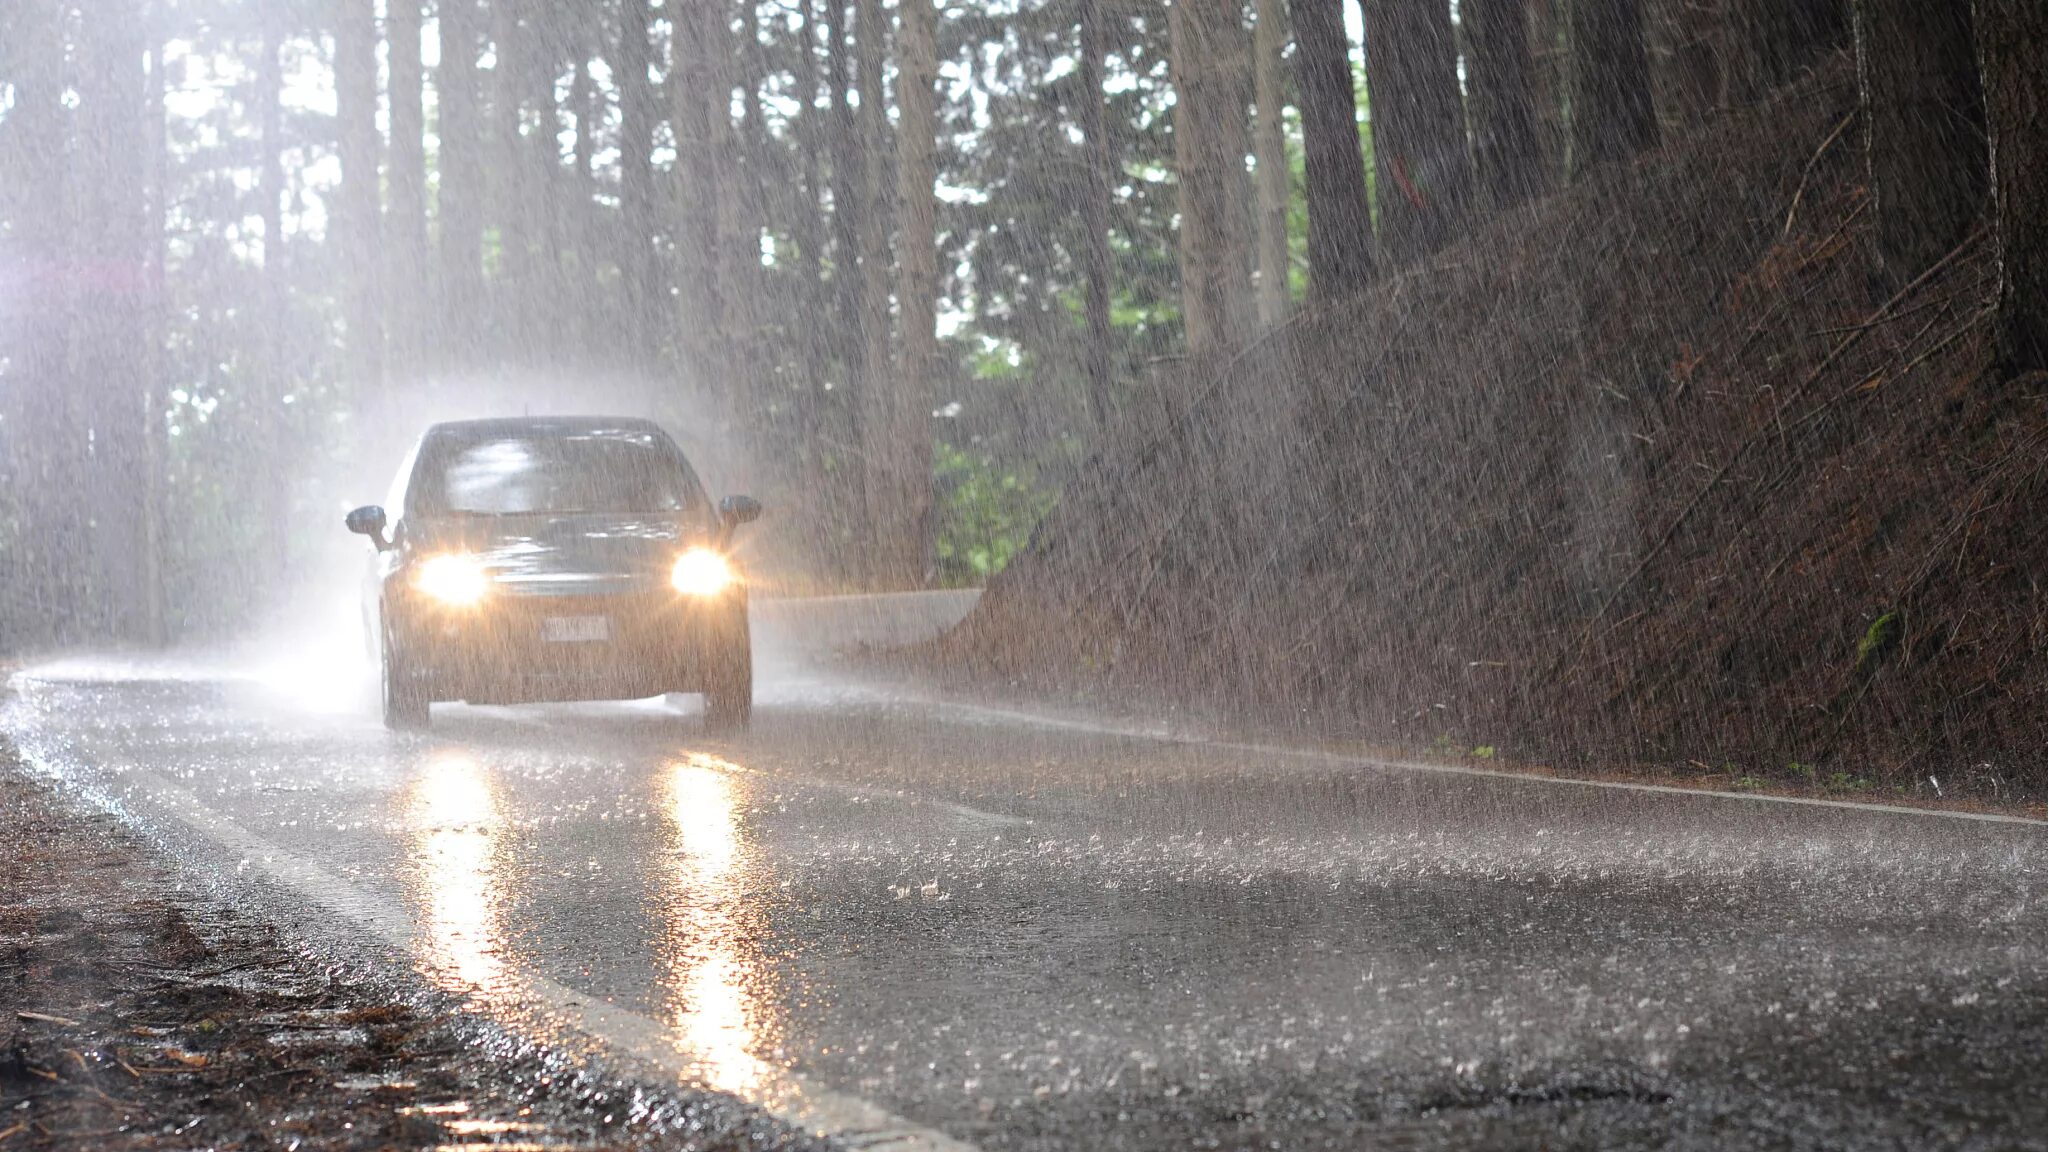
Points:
[(729, 699), (405, 699)]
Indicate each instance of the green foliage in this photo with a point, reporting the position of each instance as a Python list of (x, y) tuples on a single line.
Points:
[(986, 514), (1483, 752), (1879, 639)]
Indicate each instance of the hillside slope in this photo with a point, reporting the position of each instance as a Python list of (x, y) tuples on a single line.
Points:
[(1659, 471)]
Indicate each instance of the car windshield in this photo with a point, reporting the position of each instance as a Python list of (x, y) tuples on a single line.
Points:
[(617, 472)]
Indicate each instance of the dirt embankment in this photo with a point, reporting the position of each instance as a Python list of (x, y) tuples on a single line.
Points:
[(133, 1016), (1659, 472)]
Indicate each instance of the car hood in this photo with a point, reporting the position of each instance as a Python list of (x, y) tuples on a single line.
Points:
[(565, 555)]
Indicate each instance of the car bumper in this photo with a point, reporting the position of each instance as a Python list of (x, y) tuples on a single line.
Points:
[(527, 649)]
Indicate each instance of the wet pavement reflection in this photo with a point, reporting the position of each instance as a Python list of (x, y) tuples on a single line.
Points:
[(714, 993), (453, 812)]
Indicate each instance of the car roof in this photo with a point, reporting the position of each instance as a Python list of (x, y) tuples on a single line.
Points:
[(543, 425)]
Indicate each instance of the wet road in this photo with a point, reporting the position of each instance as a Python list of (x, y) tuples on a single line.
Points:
[(905, 921)]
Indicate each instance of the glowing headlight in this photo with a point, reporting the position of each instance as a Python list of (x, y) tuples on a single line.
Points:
[(701, 572), (455, 579)]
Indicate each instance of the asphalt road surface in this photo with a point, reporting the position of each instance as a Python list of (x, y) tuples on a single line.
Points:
[(917, 925)]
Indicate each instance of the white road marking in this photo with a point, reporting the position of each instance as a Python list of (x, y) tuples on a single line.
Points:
[(1321, 756)]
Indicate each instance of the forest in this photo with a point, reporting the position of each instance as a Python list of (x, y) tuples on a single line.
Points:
[(1308, 356)]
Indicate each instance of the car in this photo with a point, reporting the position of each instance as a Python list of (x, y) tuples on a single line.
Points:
[(551, 559)]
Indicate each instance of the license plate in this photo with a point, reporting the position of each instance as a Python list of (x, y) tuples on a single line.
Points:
[(575, 629)]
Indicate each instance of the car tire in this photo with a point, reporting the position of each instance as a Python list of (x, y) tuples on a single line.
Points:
[(406, 708), (729, 700)]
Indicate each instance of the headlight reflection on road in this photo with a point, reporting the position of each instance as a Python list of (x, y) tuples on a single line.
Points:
[(713, 988), (455, 819)]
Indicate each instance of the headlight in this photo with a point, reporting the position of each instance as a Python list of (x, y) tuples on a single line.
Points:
[(701, 572), (454, 579)]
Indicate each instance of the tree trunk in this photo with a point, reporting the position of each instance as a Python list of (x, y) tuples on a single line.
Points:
[(700, 92), (644, 312), (872, 128), (1612, 117), (270, 181), (1771, 40), (1503, 81), (2013, 37), (1551, 57), (357, 207), (156, 368), (1695, 65), (740, 191), (1340, 259), (405, 232), (584, 102), (111, 353), (1209, 152), (900, 495), (273, 350), (49, 447), (514, 315), (1418, 125), (846, 170), (540, 162), (813, 336), (1923, 117), (1269, 146), (1097, 360), (460, 207)]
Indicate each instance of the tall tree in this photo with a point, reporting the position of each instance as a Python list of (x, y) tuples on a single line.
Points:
[(1269, 147), (700, 95), (1095, 210), (155, 373), (2013, 35), (1340, 246), (540, 160), (48, 435), (1691, 68), (1209, 147), (272, 355), (845, 182), (270, 179), (1770, 40), (357, 207), (643, 313), (405, 222), (459, 210), (1923, 118), (112, 353), (1612, 118), (872, 316), (1418, 124), (511, 191), (900, 488), (733, 68), (1502, 76)]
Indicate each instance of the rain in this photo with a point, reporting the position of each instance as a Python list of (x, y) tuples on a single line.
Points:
[(1023, 574)]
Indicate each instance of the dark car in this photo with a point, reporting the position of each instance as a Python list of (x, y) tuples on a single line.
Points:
[(558, 558)]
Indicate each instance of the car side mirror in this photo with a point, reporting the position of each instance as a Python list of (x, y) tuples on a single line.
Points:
[(369, 521), (737, 510), (734, 511)]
